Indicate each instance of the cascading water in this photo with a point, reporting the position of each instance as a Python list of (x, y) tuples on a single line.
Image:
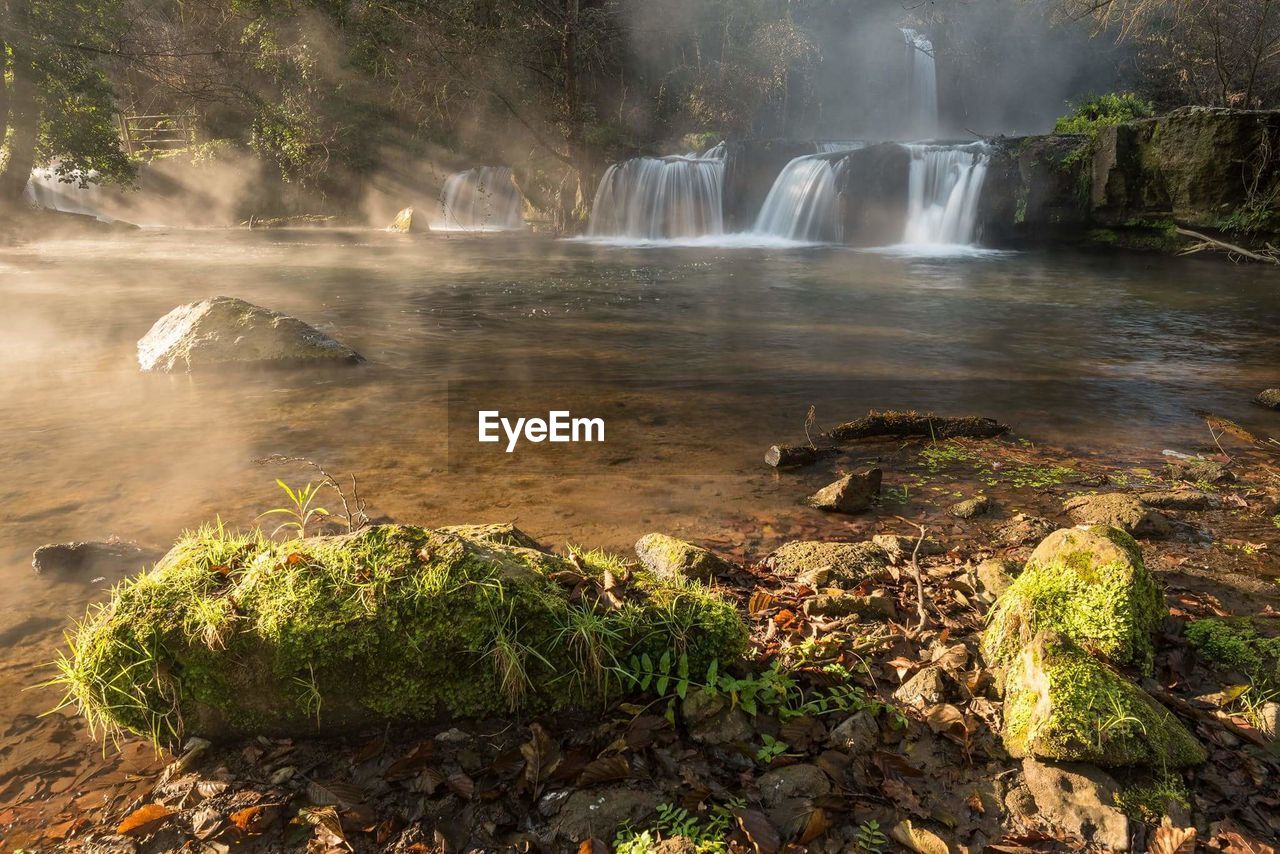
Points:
[(652, 198), (45, 190), (481, 199), (803, 204), (922, 86), (944, 188)]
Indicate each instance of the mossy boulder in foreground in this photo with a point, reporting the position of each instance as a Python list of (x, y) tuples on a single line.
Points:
[(235, 634), (1087, 584), (1061, 703)]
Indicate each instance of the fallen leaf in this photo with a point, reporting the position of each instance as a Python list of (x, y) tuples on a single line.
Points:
[(1234, 843), (541, 756), (1173, 840), (144, 820), (918, 839), (255, 819), (606, 769), (593, 846), (759, 831)]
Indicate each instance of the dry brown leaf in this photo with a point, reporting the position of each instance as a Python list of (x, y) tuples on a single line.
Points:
[(918, 839), (759, 831), (1234, 843), (593, 846), (255, 819), (760, 602), (606, 769), (145, 820), (1173, 840), (541, 756), (816, 824)]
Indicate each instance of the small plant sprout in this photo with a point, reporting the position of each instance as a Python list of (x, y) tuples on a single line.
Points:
[(302, 512)]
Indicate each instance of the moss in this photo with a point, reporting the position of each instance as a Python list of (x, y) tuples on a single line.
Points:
[(1089, 585), (1061, 703), (1150, 797), (236, 634), (1236, 644)]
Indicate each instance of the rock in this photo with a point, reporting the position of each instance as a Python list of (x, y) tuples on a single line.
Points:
[(1199, 470), (853, 493), (502, 533), (845, 563), (1020, 802), (112, 558), (1117, 510), (1176, 499), (1062, 704), (1080, 800), (927, 688), (223, 332), (970, 508), (676, 845), (793, 781), (900, 548), (382, 644), (875, 607), (995, 575), (713, 720), (856, 735), (1022, 529), (404, 222), (1269, 720), (668, 557), (1270, 398), (599, 812), (1090, 584)]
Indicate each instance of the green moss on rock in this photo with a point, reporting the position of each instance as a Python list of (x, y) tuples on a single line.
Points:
[(1061, 703), (1088, 584), (1237, 644), (235, 634)]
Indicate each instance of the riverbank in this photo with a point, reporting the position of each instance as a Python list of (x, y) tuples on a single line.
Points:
[(892, 715)]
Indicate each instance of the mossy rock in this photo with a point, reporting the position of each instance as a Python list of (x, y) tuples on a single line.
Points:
[(1249, 646), (233, 634), (1088, 584), (838, 563), (669, 557), (1063, 704)]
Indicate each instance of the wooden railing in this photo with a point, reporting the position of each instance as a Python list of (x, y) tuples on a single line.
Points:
[(156, 133)]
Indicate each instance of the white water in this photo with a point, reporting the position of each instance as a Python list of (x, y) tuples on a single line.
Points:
[(922, 86), (651, 198), (802, 204), (481, 199), (944, 188), (45, 190)]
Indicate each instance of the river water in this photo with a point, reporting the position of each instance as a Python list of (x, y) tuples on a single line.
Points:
[(699, 357)]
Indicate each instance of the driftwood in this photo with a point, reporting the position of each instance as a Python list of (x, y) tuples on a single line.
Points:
[(788, 456), (1207, 242), (913, 425)]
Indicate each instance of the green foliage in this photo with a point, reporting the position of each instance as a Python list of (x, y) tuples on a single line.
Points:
[(869, 838), (1149, 799), (707, 832), (301, 510), (1235, 644), (1090, 115)]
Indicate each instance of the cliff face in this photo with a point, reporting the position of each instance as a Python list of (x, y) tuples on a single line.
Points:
[(1216, 170)]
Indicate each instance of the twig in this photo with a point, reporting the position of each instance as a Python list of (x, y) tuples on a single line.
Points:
[(357, 519), (919, 576)]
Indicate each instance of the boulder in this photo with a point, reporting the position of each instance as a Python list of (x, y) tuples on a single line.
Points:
[(856, 735), (1117, 510), (1090, 585), (845, 564), (1063, 704), (404, 222), (970, 508), (927, 688), (225, 332), (853, 493), (237, 635), (668, 557), (112, 557), (1079, 799), (1269, 398)]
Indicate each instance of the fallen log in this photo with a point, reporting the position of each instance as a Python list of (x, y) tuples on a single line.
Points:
[(790, 456), (913, 425), (1207, 242)]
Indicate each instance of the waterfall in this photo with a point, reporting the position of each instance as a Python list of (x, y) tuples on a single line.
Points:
[(922, 86), (944, 188), (45, 190), (652, 198), (803, 203), (480, 199)]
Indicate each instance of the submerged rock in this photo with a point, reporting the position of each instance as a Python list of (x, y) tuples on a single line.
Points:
[(668, 557), (223, 332), (970, 508), (238, 635), (838, 563), (1061, 703), (1199, 470), (111, 557), (1079, 799), (853, 493), (1117, 510), (1269, 398), (1090, 585)]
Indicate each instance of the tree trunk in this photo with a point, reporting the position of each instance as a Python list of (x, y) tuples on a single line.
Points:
[(25, 119), (4, 94)]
